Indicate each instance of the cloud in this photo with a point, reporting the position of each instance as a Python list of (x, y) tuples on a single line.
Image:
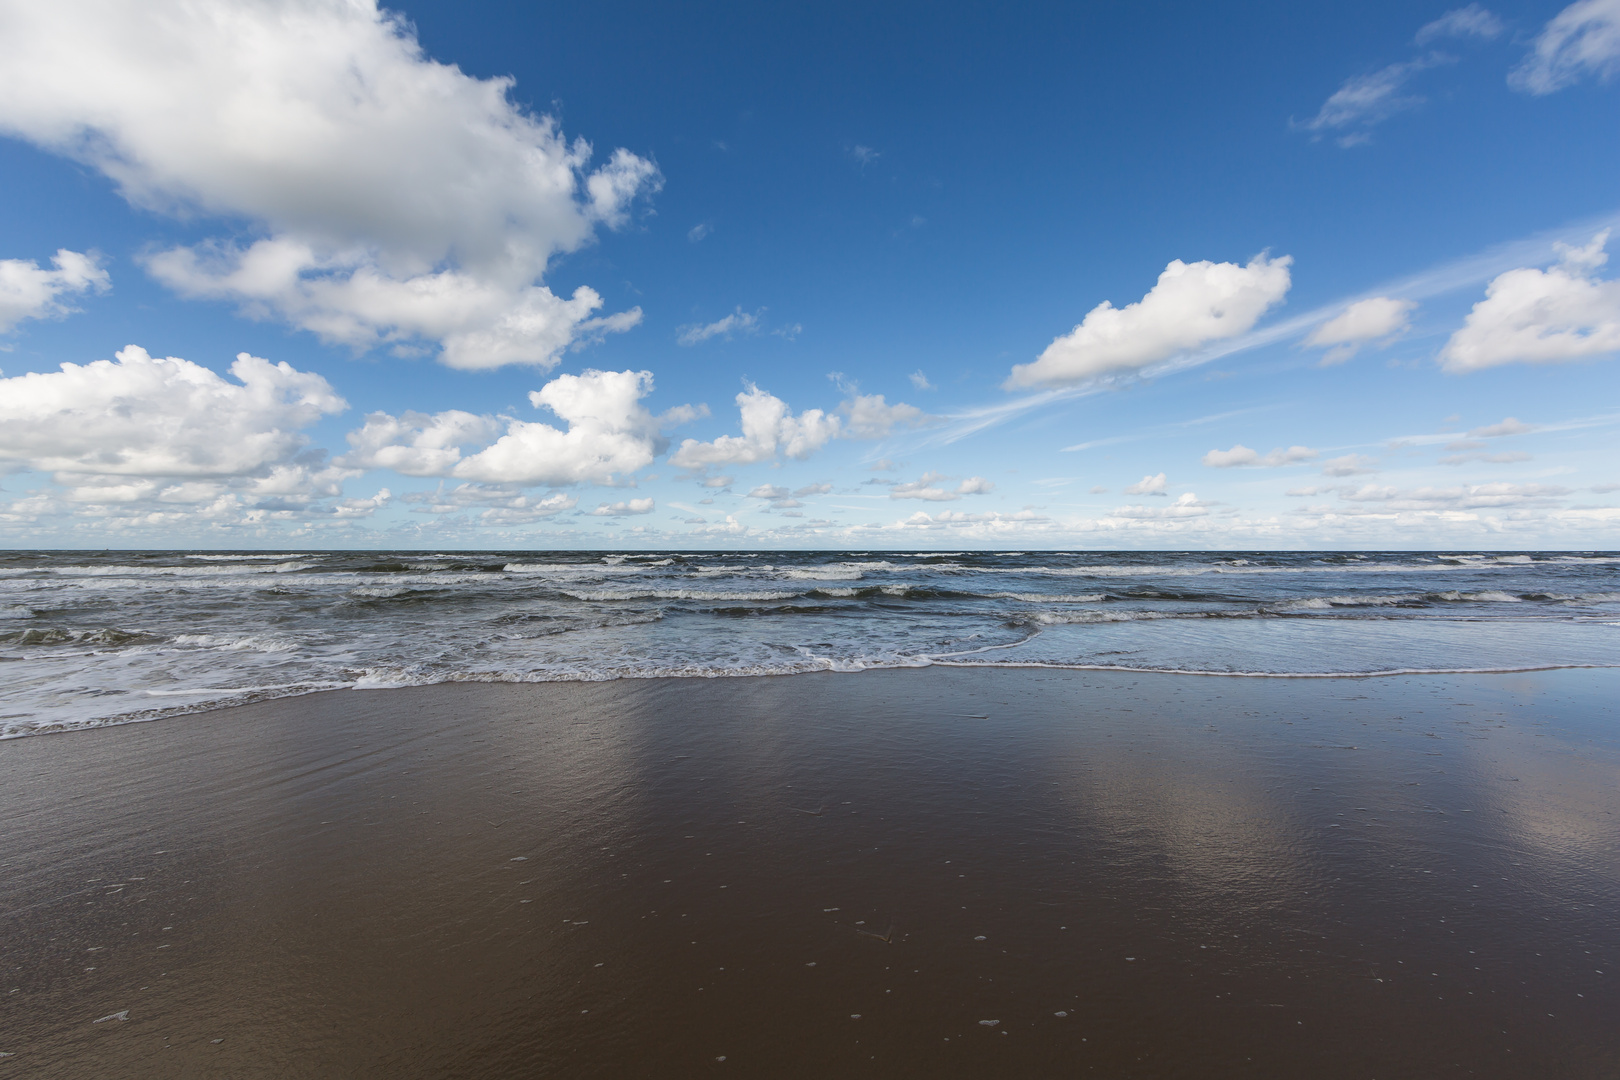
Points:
[(1192, 304), (1148, 485), (769, 491), (920, 381), (738, 322), (501, 505), (1464, 22), (1509, 458), (868, 416), (1583, 39), (28, 291), (145, 417), (963, 525), (769, 427), (814, 489), (417, 444), (1361, 322), (624, 509), (1366, 100), (609, 435), (1510, 425), (927, 487), (396, 200), (699, 231), (780, 498), (1349, 465), (167, 440), (1467, 496), (1186, 506), (1241, 455), (1541, 316), (864, 154)]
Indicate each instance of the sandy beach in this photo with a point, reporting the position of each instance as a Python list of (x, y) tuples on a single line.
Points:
[(897, 873)]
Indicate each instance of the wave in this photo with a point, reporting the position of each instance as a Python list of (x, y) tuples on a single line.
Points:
[(573, 569), (1045, 598), (676, 594), (1083, 618), (267, 557), (123, 570), (262, 643), (57, 636)]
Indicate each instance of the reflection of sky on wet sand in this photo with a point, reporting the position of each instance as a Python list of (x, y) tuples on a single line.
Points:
[(1150, 853)]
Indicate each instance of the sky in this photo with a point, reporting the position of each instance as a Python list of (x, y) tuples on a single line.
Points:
[(323, 274)]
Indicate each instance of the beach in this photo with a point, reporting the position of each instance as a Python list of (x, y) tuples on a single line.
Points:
[(934, 872)]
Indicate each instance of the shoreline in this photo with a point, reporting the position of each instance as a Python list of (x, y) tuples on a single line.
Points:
[(206, 708), (1250, 877)]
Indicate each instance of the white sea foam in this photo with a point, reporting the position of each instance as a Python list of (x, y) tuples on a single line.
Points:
[(823, 573), (239, 570), (265, 557), (1325, 603), (263, 643), (378, 592), (1074, 618), (1046, 598), (102, 639), (1490, 596), (676, 594)]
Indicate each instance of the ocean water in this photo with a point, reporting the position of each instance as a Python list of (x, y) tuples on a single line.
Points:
[(88, 639)]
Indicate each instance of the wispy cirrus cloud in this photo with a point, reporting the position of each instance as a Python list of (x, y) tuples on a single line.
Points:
[(1581, 40), (1364, 101)]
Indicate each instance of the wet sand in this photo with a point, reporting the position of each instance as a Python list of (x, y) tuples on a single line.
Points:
[(906, 873)]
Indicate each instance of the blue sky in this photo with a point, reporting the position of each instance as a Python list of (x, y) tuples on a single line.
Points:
[(1355, 259)]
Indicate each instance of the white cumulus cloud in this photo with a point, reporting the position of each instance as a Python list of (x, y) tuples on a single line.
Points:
[(1583, 39), (1148, 485), (868, 416), (1191, 305), (396, 199), (624, 509), (1241, 455), (143, 440), (1541, 316), (29, 291), (609, 434), (1380, 317), (1348, 465), (145, 417), (769, 427), (928, 488), (1510, 425), (1186, 506), (498, 505)]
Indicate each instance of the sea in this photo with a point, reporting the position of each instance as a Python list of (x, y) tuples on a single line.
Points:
[(96, 638)]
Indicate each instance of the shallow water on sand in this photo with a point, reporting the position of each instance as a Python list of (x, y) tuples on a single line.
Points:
[(908, 873), (92, 638)]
